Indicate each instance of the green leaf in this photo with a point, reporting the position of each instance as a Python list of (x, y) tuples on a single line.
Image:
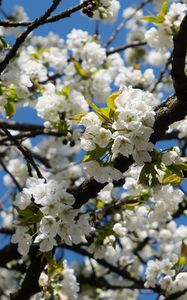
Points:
[(165, 7), (148, 175), (92, 105), (81, 71), (54, 269), (103, 114), (30, 220), (171, 179), (4, 44), (173, 175), (103, 232), (176, 169), (62, 127), (183, 167), (29, 215), (10, 109), (38, 53), (24, 212), (111, 99), (183, 257), (100, 204), (132, 202), (78, 117), (95, 154), (155, 20), (65, 92)]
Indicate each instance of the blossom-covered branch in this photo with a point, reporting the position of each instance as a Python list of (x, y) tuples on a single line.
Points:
[(85, 172)]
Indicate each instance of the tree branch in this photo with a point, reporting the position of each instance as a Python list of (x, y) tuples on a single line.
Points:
[(162, 73), (64, 14), (20, 40), (25, 152), (30, 285), (138, 282), (124, 47), (173, 109), (11, 175), (8, 254), (123, 23), (176, 295)]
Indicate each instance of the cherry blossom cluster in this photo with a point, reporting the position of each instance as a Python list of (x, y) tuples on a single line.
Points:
[(146, 215), (126, 131), (169, 22), (59, 281), (83, 68), (106, 10), (46, 215), (181, 127)]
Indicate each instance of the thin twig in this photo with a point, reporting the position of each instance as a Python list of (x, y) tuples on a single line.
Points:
[(123, 23), (162, 73), (26, 153), (20, 40), (11, 175), (64, 14), (124, 47)]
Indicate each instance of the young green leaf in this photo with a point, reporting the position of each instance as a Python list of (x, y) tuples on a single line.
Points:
[(165, 7), (99, 111), (81, 71), (95, 154), (78, 117), (10, 109)]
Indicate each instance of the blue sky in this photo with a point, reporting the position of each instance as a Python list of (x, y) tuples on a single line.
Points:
[(35, 8)]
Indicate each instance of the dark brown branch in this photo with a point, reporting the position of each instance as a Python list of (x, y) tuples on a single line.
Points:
[(29, 130), (176, 295), (67, 13), (31, 134), (178, 63), (20, 126), (8, 254), (7, 230), (181, 209), (124, 47), (20, 40), (173, 135), (167, 113), (162, 73), (141, 245), (11, 175), (138, 282), (34, 130), (101, 282), (41, 159), (89, 188), (25, 152), (175, 108), (123, 273), (64, 14), (30, 285)]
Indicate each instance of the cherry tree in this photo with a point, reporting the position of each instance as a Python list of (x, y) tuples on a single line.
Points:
[(96, 175)]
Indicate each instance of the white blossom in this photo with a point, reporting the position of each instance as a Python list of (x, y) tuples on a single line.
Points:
[(69, 283)]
